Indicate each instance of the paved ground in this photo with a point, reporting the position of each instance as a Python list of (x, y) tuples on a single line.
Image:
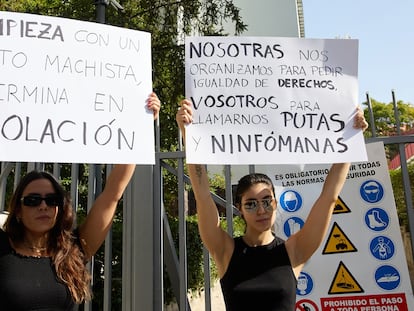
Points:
[(217, 303), (197, 303)]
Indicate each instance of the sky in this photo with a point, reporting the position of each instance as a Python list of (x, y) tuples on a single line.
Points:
[(385, 32)]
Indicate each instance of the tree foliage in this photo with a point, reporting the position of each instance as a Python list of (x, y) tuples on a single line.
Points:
[(399, 193), (385, 121)]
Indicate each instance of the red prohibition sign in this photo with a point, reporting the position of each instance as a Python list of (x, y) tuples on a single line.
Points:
[(300, 307)]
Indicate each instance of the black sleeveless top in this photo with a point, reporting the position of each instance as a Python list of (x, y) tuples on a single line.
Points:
[(259, 278), (30, 283)]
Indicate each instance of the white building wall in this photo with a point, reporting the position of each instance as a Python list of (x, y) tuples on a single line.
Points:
[(276, 18)]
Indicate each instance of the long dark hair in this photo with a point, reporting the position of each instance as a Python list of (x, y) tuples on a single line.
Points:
[(68, 259)]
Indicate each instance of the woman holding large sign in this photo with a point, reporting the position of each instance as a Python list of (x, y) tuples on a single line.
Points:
[(259, 271), (42, 260)]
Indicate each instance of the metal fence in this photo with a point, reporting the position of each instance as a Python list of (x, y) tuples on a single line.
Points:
[(148, 249)]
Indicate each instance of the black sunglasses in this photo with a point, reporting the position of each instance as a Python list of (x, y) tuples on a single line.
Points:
[(34, 200)]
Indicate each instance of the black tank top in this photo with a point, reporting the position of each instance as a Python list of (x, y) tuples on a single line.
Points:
[(259, 278), (30, 283)]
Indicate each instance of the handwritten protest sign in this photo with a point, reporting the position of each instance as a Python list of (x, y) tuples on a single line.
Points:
[(73, 91), (272, 100)]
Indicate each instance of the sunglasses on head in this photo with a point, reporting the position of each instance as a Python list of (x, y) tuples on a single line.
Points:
[(51, 200), (252, 206)]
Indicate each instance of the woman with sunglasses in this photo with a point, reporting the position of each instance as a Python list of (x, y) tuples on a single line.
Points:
[(259, 271), (42, 260)]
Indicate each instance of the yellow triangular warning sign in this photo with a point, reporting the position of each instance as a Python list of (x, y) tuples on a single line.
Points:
[(344, 282), (338, 242), (341, 207)]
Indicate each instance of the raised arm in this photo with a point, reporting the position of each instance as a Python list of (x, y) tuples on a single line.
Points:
[(216, 240), (99, 219), (304, 243)]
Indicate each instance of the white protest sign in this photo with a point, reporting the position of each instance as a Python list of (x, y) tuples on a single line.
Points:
[(269, 100), (361, 264), (73, 91)]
